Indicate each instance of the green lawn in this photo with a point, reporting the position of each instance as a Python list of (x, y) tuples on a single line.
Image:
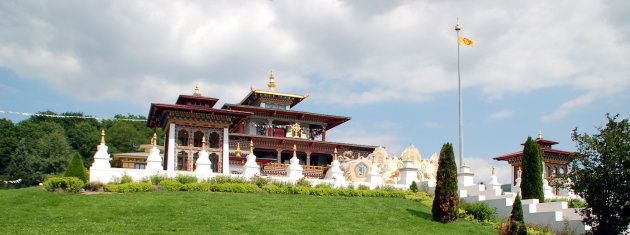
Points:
[(34, 211)]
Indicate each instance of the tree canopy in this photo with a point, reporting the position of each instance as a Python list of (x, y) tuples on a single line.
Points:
[(600, 173)]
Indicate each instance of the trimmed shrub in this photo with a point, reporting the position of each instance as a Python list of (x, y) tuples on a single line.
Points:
[(444, 208), (517, 209), (156, 179), (64, 184), (171, 185), (129, 187), (421, 197), (480, 211), (272, 188), (126, 179), (221, 179), (76, 168), (413, 187), (363, 187), (280, 183), (234, 188), (186, 179), (324, 185), (201, 187)]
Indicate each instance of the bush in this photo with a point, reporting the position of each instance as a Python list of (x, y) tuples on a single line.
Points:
[(171, 185), (201, 187), (94, 186), (186, 179), (280, 183), (577, 203), (156, 179), (234, 187), (421, 197), (259, 181), (221, 179), (363, 187), (76, 168), (413, 187), (64, 184), (303, 182), (272, 188), (324, 185), (480, 211), (126, 179), (129, 187)]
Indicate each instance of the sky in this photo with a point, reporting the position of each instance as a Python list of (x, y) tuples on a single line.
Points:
[(391, 66)]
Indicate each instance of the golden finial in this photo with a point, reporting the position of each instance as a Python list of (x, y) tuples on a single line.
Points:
[(238, 149), (493, 170), (251, 146), (458, 27), (154, 139), (197, 93), (539, 134), (294, 151), (271, 84), (203, 143), (335, 154), (102, 136)]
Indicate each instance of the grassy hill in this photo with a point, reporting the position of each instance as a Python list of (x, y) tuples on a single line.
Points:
[(32, 210)]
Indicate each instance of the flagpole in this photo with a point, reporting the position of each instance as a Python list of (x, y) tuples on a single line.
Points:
[(459, 95)]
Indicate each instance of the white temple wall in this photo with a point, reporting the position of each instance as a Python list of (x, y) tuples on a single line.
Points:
[(171, 148)]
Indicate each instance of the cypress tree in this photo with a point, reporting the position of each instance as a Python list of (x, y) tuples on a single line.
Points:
[(531, 183), (413, 187), (445, 201), (517, 209), (76, 168)]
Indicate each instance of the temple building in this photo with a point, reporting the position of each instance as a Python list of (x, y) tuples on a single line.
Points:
[(264, 119), (554, 161)]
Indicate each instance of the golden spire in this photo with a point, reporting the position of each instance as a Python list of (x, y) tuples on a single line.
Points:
[(539, 134), (154, 139), (294, 151), (271, 84), (251, 146), (238, 149), (102, 136), (335, 154), (203, 143), (458, 27), (197, 93)]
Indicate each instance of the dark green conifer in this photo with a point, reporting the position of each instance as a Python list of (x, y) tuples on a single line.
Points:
[(413, 187), (76, 168), (445, 202), (517, 209), (531, 179)]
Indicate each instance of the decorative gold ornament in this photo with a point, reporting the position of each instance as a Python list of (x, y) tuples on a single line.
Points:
[(458, 27), (238, 149), (102, 136), (272, 84), (197, 93)]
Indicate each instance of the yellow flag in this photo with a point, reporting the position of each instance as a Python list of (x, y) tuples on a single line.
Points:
[(466, 41)]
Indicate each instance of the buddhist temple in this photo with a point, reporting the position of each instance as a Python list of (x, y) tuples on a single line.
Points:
[(554, 161), (264, 119)]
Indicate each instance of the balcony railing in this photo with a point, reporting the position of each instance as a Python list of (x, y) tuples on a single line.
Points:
[(280, 169)]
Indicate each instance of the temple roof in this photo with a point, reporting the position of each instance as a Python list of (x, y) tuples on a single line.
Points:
[(253, 97), (331, 120), (545, 147), (156, 111)]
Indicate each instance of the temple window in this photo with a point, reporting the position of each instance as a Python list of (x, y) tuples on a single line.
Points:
[(181, 160), (214, 159), (276, 106), (198, 136), (182, 138), (214, 140)]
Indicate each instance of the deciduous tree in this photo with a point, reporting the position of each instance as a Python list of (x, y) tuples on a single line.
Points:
[(600, 173)]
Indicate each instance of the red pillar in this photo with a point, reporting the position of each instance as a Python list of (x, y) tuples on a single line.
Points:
[(241, 127), (324, 135)]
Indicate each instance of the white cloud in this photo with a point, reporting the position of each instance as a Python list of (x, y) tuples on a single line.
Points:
[(505, 113), (432, 124), (341, 52)]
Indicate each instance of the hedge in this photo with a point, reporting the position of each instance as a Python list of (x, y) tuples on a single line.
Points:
[(234, 187), (66, 184), (129, 187), (172, 185)]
